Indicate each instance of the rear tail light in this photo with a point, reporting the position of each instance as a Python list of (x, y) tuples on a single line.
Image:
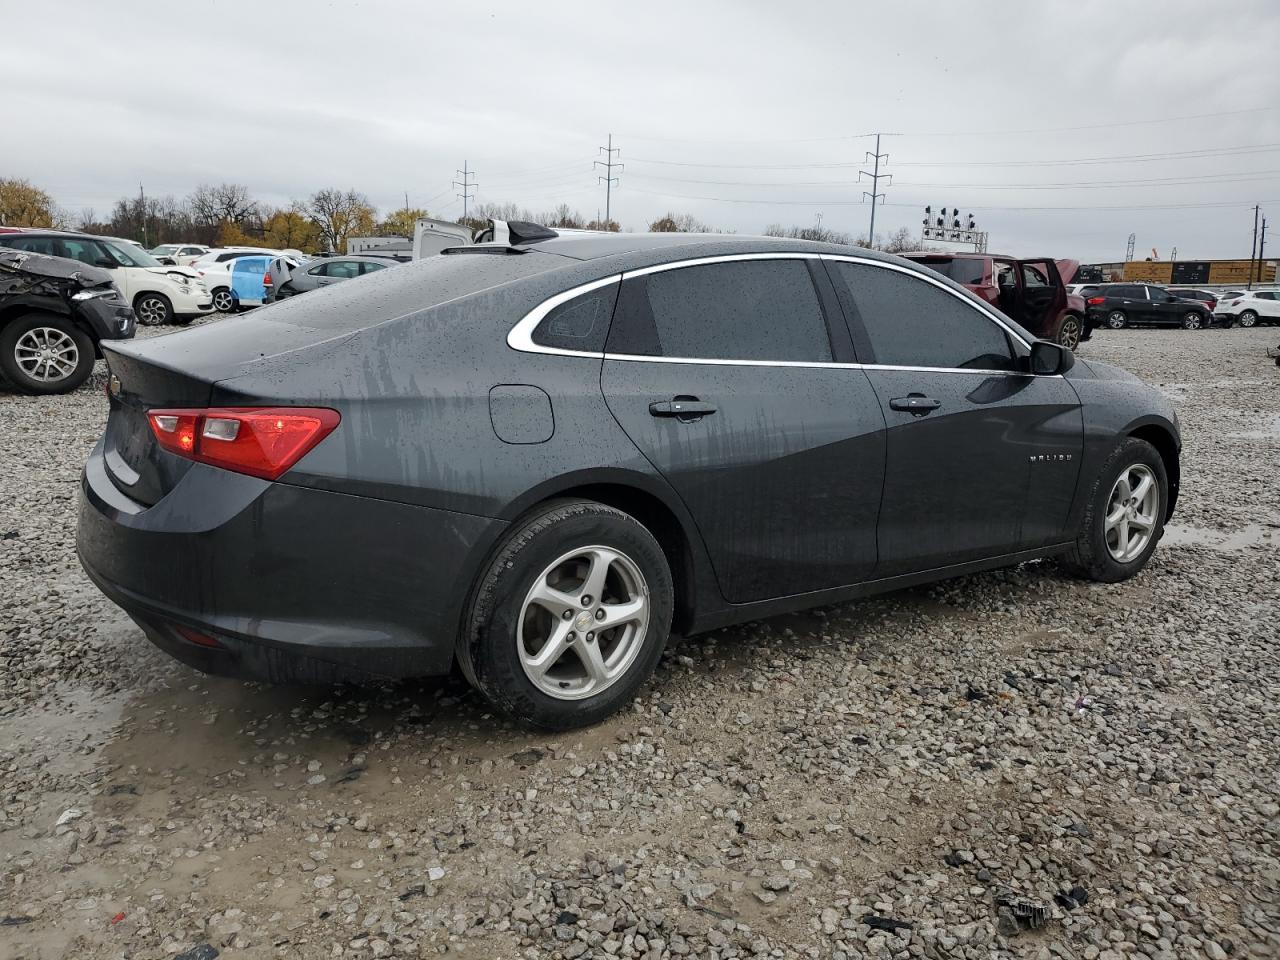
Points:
[(1096, 301), (266, 279), (195, 636), (260, 441)]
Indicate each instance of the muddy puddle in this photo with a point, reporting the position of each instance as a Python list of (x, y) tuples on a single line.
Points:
[(1178, 535)]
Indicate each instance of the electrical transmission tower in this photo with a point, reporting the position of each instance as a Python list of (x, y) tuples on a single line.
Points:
[(608, 179), (467, 185), (1128, 251), (876, 176)]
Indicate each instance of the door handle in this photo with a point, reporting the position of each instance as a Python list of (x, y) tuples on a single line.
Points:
[(685, 408), (916, 404)]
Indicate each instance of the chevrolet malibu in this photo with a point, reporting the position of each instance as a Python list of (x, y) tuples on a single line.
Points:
[(537, 459)]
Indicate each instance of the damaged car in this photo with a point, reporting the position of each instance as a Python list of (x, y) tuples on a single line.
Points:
[(53, 315), (1030, 292)]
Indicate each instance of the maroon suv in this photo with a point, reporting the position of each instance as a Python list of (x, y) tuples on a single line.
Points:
[(1032, 293)]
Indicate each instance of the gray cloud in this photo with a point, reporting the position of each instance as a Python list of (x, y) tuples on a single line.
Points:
[(389, 97)]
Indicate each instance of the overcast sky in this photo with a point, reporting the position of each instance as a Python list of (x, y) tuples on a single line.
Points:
[(741, 113)]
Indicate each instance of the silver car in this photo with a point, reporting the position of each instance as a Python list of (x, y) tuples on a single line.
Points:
[(288, 279)]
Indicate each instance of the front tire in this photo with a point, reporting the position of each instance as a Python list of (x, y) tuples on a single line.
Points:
[(1247, 319), (1117, 320), (1070, 333), (43, 353), (223, 302), (1124, 518), (570, 616), (153, 309), (1192, 321)]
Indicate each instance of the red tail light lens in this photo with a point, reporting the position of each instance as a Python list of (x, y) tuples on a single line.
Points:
[(266, 279), (260, 441), (1096, 301)]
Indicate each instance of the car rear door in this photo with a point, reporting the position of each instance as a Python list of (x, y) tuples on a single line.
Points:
[(725, 374), (981, 457)]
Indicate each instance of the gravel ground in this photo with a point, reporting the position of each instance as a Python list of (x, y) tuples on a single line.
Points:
[(1009, 765)]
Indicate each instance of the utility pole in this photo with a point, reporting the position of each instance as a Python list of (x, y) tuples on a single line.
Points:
[(876, 176), (467, 184), (1262, 246), (609, 179), (1128, 250), (406, 199), (1253, 247), (142, 214)]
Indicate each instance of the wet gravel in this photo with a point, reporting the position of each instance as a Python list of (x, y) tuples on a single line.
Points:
[(1015, 764)]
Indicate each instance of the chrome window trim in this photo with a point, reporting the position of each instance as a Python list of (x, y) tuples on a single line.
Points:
[(520, 336)]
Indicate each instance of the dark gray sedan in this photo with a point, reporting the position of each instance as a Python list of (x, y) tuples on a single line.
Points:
[(288, 279), (536, 460)]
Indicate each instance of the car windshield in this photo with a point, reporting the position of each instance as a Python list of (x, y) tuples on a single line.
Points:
[(959, 269), (127, 255)]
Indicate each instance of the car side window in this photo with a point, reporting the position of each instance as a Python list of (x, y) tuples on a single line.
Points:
[(579, 324), (31, 244), (912, 323), (344, 269), (1266, 295), (86, 251), (368, 267), (741, 310), (319, 270)]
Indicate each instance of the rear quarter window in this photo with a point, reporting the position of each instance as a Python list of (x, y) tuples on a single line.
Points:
[(580, 324)]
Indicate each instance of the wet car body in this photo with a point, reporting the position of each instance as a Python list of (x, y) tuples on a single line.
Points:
[(800, 487), (35, 285)]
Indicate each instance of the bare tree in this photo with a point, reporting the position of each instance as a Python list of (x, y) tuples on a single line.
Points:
[(680, 223), (226, 202), (900, 241), (817, 233), (339, 214)]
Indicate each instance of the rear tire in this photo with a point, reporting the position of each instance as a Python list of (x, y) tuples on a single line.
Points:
[(1069, 334), (222, 300), (1103, 552), (1117, 320), (560, 551), (43, 353), (1247, 319)]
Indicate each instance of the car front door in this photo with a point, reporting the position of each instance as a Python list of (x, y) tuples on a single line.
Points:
[(982, 457), (95, 254), (725, 374)]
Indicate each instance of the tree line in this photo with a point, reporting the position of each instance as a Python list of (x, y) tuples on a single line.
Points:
[(226, 214)]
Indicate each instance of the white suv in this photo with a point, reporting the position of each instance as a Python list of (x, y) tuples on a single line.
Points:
[(158, 294), (1250, 307)]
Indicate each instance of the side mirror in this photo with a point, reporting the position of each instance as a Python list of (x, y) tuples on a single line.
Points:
[(168, 261), (106, 263), (1048, 358)]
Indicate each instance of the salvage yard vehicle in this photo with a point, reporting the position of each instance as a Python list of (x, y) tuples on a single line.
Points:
[(178, 254), (159, 294), (1249, 307), (537, 459), (1032, 292), (53, 314), (1120, 305), (215, 267), (322, 272)]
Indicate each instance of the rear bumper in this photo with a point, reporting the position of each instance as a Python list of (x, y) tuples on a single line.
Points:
[(293, 584)]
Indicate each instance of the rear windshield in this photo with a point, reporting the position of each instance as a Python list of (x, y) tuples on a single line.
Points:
[(959, 269), (409, 288)]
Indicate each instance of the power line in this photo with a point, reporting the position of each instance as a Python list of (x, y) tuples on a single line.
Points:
[(609, 179), (1245, 176)]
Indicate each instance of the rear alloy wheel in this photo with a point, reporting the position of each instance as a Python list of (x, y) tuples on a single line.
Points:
[(1117, 320), (223, 302), (1247, 319), (1124, 518), (570, 617), (1069, 335), (153, 309), (42, 353), (1192, 321)]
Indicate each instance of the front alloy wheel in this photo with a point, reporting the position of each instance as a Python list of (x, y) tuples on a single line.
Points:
[(43, 353), (1248, 318), (152, 309), (46, 355), (1132, 509)]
